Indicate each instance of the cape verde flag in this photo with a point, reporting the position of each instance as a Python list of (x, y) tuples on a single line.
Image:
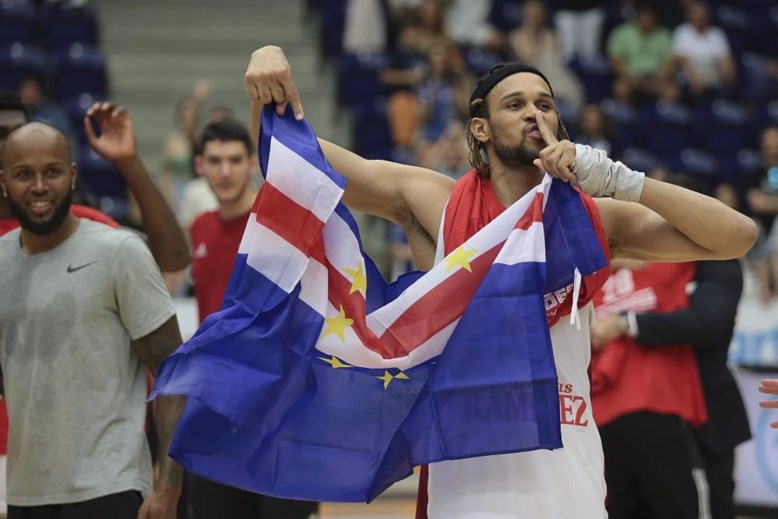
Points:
[(318, 380)]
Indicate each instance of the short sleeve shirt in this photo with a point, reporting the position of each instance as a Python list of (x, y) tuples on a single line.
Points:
[(74, 386)]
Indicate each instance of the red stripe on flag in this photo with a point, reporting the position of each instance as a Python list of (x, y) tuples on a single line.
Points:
[(449, 298), (285, 217), (533, 214)]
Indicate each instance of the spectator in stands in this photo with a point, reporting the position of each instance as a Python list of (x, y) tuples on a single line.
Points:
[(42, 109), (641, 54), (706, 64), (443, 93), (536, 44), (365, 27), (178, 147), (592, 128), (407, 67), (449, 154), (762, 196), (426, 28), (579, 25), (467, 22)]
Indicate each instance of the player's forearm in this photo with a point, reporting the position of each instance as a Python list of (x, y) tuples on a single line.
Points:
[(724, 232), (166, 239), (167, 411)]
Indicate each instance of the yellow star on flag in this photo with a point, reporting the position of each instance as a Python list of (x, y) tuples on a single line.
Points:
[(388, 377), (335, 362), (460, 258), (358, 279), (337, 324)]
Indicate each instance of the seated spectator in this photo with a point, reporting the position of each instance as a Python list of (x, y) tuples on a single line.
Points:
[(704, 58), (426, 28), (579, 25), (365, 27), (178, 147), (444, 93), (536, 44), (423, 28), (641, 55), (467, 22), (762, 197), (592, 128), (449, 154), (40, 108)]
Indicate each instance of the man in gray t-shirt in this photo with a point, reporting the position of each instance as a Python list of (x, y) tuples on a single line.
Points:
[(84, 311)]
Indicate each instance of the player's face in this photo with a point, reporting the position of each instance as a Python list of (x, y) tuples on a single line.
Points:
[(228, 168), (38, 178), (513, 103)]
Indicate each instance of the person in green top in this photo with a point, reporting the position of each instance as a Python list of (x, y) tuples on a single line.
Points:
[(641, 55)]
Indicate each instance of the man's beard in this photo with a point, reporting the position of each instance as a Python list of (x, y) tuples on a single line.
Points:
[(42, 228), (515, 155)]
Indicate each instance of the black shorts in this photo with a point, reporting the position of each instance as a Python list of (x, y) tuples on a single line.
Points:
[(124, 505), (210, 500)]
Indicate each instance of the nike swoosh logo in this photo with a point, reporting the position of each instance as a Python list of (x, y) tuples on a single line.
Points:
[(72, 269)]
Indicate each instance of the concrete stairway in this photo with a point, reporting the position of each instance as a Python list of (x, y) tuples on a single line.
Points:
[(157, 49)]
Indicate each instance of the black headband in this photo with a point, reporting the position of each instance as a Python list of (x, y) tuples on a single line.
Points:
[(496, 74)]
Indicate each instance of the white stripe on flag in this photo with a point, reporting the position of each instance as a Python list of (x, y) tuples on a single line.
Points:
[(484, 240), (301, 181), (313, 287), (272, 256), (341, 247), (524, 245)]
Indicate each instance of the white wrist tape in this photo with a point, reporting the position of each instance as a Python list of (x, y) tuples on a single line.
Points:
[(598, 175)]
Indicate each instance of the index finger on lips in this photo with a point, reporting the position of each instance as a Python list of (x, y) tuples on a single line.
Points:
[(545, 130)]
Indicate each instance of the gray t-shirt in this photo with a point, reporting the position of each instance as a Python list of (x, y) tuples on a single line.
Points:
[(75, 388)]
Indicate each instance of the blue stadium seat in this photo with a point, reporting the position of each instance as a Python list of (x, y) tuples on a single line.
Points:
[(75, 109), (723, 125), (371, 135), (19, 61), (478, 61), (358, 77), (667, 128), (765, 116), (595, 75), (103, 181), (18, 22), (625, 130), (65, 24), (738, 26), (696, 162), (505, 15), (640, 159), (754, 77), (331, 24), (79, 69)]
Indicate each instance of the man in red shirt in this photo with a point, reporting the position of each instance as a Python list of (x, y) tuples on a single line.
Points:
[(228, 162)]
